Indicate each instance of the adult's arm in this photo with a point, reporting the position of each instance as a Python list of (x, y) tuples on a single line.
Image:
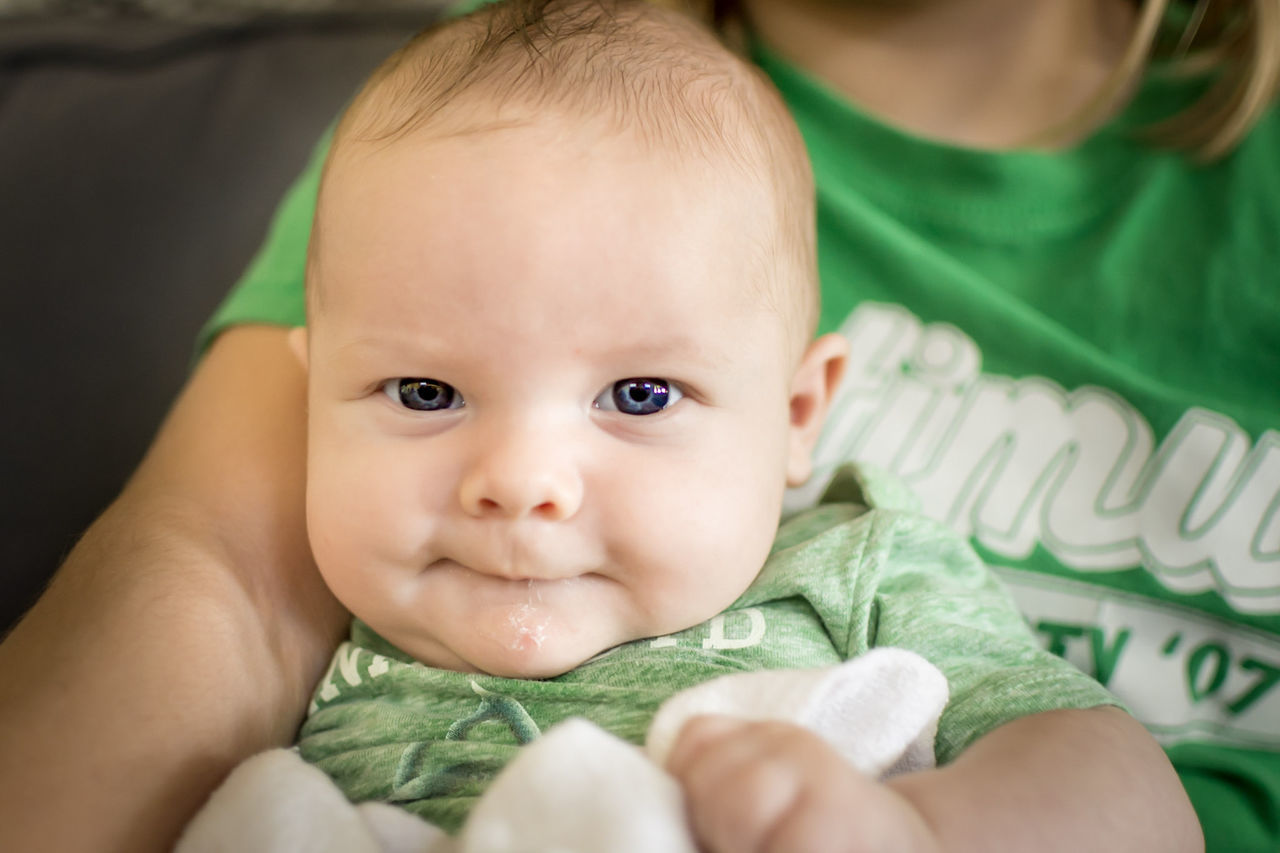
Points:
[(186, 629), (1062, 780)]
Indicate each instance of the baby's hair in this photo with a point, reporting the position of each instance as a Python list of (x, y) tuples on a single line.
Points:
[(624, 66), (612, 59)]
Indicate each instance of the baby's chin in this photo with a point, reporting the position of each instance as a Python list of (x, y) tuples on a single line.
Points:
[(523, 654), (533, 668), (523, 663)]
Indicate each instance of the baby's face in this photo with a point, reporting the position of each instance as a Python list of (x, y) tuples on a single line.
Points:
[(549, 409)]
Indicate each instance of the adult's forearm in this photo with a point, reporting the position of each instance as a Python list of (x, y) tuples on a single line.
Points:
[(184, 632), (128, 692), (1059, 781)]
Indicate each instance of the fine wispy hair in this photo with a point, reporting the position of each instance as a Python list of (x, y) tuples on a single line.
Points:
[(639, 67)]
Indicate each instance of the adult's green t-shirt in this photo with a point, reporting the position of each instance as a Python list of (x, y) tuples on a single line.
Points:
[(1074, 359)]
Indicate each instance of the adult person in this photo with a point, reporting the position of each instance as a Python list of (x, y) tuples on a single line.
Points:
[(1077, 361)]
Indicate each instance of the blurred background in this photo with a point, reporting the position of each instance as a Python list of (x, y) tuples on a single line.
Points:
[(144, 145)]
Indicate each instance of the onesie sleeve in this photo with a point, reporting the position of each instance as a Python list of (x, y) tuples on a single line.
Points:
[(935, 597), (271, 290)]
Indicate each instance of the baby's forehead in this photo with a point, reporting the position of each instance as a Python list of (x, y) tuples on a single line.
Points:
[(649, 76), (680, 236), (475, 175)]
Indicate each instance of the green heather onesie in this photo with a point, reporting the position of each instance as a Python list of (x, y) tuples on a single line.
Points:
[(841, 579)]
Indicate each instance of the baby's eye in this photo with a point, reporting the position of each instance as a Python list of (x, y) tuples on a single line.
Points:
[(423, 395), (638, 396)]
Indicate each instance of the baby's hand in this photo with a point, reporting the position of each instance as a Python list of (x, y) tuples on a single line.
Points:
[(773, 787)]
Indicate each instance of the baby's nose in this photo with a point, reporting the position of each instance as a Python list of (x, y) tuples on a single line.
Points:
[(522, 477)]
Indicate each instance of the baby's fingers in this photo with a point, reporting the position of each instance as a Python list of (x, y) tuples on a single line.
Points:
[(740, 781)]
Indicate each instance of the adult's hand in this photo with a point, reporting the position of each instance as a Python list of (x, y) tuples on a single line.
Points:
[(186, 629)]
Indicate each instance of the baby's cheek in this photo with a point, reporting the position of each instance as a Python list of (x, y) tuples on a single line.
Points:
[(348, 541), (357, 505), (340, 558)]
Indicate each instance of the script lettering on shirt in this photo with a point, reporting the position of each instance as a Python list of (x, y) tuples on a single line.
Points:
[(1020, 464), (1017, 463)]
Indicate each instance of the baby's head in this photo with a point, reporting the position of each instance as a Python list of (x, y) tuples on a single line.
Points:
[(560, 300)]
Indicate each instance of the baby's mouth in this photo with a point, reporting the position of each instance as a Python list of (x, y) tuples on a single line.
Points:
[(517, 573)]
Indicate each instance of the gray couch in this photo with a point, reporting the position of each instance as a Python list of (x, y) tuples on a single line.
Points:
[(140, 162)]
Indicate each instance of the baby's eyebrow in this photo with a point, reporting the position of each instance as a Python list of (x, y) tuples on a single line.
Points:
[(373, 349), (662, 354), (416, 344), (371, 342), (682, 347)]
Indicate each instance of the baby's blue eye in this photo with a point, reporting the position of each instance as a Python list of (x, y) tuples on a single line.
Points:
[(638, 396), (423, 395)]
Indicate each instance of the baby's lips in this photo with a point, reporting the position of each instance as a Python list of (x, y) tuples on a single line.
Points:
[(517, 562)]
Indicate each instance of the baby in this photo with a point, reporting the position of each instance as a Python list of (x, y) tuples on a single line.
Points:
[(562, 298)]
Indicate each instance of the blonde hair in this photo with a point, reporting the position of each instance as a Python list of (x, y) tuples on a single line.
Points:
[(1233, 44), (1238, 41)]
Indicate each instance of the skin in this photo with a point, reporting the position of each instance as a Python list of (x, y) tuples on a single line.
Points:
[(246, 624), (535, 525), (945, 70), (181, 635)]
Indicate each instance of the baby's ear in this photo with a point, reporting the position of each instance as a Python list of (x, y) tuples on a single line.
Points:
[(813, 387), (298, 343)]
